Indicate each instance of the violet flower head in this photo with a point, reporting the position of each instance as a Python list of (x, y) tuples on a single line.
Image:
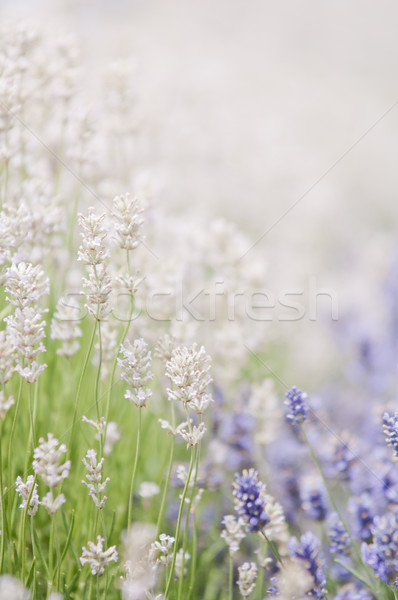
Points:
[(382, 554), (297, 407), (307, 550), (249, 497), (390, 429)]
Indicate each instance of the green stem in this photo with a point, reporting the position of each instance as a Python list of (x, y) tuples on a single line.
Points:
[(137, 450), (3, 512), (50, 557), (124, 335), (11, 438), (167, 482), (80, 386), (97, 384), (194, 554), (179, 520), (23, 537), (231, 578)]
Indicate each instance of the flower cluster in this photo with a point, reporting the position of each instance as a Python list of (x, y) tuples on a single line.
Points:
[(97, 557), (47, 465), (249, 498), (297, 407), (135, 365), (161, 551), (25, 286), (188, 369), (233, 532), (382, 553), (25, 490), (390, 428), (307, 551), (247, 578), (127, 221), (93, 253), (95, 486)]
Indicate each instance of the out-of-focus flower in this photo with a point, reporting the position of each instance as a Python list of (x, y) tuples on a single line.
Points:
[(233, 532), (247, 578), (47, 461), (307, 552), (24, 490), (297, 407)]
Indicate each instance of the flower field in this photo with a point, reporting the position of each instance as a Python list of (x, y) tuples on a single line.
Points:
[(151, 444)]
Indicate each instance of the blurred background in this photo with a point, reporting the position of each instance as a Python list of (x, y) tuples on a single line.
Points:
[(281, 117)]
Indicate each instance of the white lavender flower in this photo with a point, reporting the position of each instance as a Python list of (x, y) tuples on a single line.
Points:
[(94, 476), (247, 578), (192, 435), (52, 504), (12, 589), (181, 559), (148, 489), (7, 355), (233, 532), (94, 252), (47, 461), (5, 404), (127, 221), (97, 557), (24, 490), (112, 435), (161, 552), (25, 285), (188, 369), (136, 371)]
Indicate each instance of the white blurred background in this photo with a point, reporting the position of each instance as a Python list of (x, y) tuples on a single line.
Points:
[(250, 107)]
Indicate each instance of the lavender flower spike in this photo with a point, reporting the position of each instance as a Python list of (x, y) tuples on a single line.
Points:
[(298, 409), (390, 429), (249, 494)]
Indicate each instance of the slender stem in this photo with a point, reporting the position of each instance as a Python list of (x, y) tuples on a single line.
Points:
[(184, 544), (124, 334), (50, 557), (179, 519), (32, 417), (231, 578), (10, 454), (3, 512), (23, 536), (97, 383), (185, 536), (167, 482), (80, 386), (137, 450), (194, 553)]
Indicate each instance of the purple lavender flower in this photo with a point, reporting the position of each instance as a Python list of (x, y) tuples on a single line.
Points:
[(314, 501), (363, 510), (249, 500), (339, 538), (382, 554), (308, 551), (390, 429), (298, 409)]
